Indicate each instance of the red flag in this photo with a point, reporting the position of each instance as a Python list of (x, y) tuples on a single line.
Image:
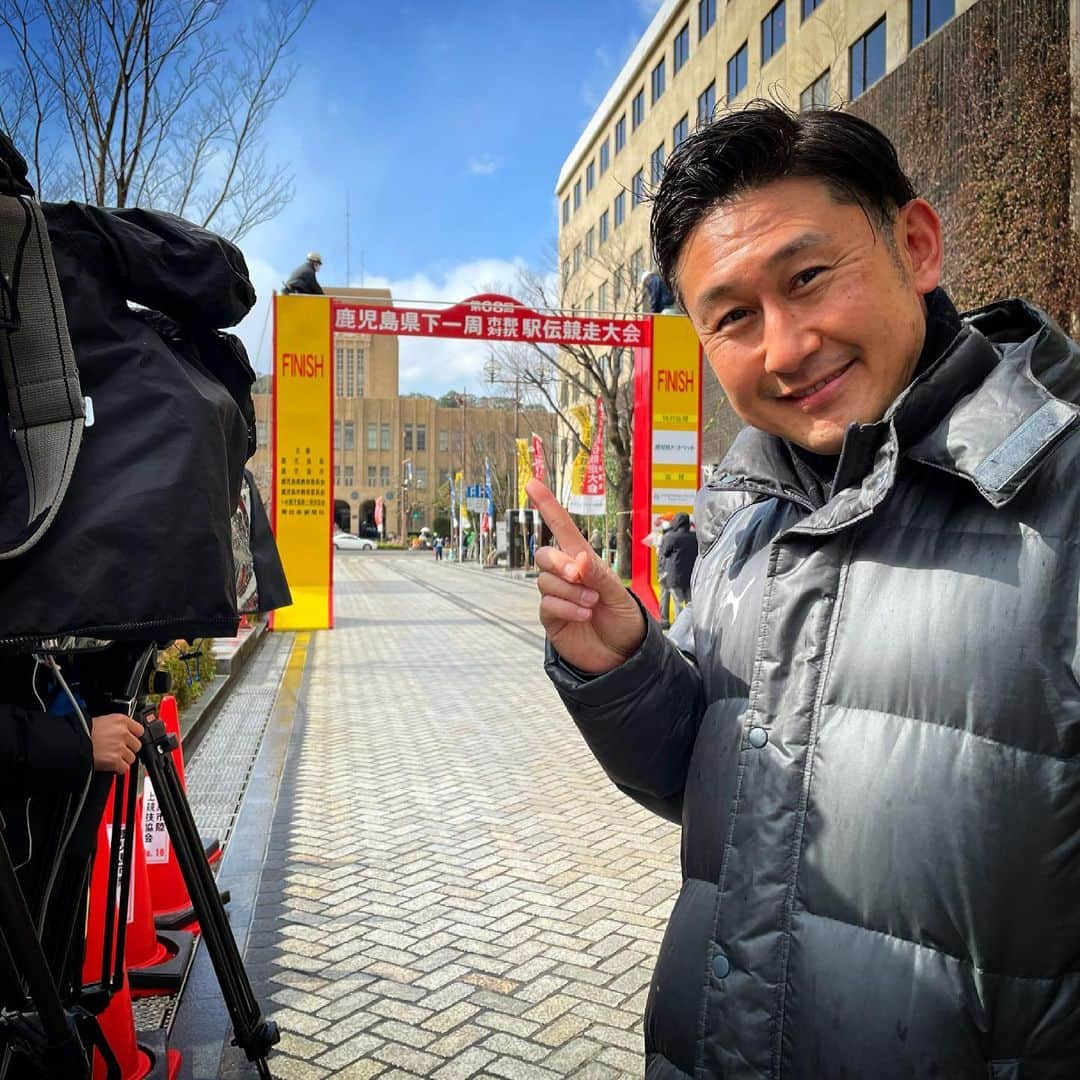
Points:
[(538, 468)]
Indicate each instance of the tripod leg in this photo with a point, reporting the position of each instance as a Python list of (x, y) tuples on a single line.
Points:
[(24, 948), (253, 1033)]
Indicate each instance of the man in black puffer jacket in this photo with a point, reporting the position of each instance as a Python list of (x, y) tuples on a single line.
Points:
[(868, 722)]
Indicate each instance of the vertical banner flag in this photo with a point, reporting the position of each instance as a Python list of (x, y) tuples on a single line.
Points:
[(303, 396), (464, 512), (577, 478), (379, 511), (489, 514), (524, 472), (590, 492), (539, 469)]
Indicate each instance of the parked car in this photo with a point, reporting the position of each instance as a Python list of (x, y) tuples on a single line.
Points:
[(344, 541)]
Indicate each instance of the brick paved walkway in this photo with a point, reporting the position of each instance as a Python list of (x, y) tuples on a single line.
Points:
[(453, 888)]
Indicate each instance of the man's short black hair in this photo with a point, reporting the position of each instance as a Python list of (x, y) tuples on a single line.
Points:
[(764, 142)]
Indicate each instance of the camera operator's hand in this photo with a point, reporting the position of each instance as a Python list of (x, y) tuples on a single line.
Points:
[(116, 742), (593, 622)]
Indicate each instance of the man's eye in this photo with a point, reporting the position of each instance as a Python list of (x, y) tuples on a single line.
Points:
[(808, 275), (731, 317)]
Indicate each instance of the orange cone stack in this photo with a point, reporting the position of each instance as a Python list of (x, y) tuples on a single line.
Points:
[(140, 1056), (155, 959)]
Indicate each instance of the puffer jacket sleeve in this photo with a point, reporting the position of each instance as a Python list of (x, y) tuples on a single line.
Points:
[(639, 720), (41, 753)]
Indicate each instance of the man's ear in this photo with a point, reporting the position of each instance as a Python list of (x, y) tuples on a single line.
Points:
[(918, 238)]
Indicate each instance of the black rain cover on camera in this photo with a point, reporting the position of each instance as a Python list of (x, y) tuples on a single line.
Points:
[(141, 546)]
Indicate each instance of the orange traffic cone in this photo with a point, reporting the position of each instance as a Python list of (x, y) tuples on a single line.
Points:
[(155, 959), (141, 1056), (169, 715)]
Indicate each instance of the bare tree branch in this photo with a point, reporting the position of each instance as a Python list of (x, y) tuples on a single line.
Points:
[(137, 102)]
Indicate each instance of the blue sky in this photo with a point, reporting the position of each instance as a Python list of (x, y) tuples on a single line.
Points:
[(447, 123)]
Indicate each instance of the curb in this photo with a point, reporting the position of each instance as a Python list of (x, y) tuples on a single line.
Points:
[(197, 717)]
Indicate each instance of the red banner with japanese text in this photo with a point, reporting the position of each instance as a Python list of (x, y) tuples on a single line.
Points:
[(486, 317)]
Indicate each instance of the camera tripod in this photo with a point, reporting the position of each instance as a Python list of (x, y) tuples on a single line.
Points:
[(54, 1039), (253, 1033)]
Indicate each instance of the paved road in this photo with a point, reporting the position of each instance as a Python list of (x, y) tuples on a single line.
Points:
[(453, 888)]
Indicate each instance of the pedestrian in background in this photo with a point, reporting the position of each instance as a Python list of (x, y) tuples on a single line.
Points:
[(678, 553), (867, 721), (438, 546)]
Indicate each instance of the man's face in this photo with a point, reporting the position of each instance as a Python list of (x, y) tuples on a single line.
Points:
[(809, 318)]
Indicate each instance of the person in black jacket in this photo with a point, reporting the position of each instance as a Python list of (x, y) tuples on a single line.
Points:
[(302, 279), (678, 553)]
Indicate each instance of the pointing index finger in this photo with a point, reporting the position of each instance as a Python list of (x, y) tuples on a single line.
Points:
[(558, 520)]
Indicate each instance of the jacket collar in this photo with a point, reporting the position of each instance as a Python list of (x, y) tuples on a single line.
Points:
[(991, 409)]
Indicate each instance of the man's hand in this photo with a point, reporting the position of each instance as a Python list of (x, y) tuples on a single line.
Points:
[(589, 617), (116, 742)]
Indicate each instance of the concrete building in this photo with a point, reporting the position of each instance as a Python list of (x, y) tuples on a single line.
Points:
[(695, 58), (381, 437)]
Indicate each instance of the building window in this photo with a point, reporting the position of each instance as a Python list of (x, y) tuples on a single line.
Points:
[(656, 165), (421, 437), (444, 477), (566, 210), (809, 7), (384, 436), (577, 258), (659, 80), (866, 59), (620, 133), (337, 474), (772, 32), (348, 476), (260, 433), (350, 435), (736, 73), (565, 272), (590, 177), (706, 104), (706, 16), (681, 50), (605, 156), (637, 189), (816, 95), (371, 476), (444, 440), (602, 297), (373, 436), (616, 286), (408, 437), (637, 109), (339, 371), (928, 16), (680, 131), (577, 195), (491, 442), (421, 478), (637, 267), (456, 441), (590, 243), (589, 304), (384, 476), (620, 208), (337, 434), (603, 226)]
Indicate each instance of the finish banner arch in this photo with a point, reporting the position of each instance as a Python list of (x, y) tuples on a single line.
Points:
[(302, 450)]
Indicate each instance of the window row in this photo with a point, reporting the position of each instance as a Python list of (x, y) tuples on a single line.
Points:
[(866, 64)]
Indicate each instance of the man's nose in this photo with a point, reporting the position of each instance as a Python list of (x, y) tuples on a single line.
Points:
[(789, 341)]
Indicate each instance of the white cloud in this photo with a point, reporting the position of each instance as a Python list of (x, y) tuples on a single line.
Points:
[(483, 166)]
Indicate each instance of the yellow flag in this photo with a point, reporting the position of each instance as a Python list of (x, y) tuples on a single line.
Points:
[(524, 470)]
